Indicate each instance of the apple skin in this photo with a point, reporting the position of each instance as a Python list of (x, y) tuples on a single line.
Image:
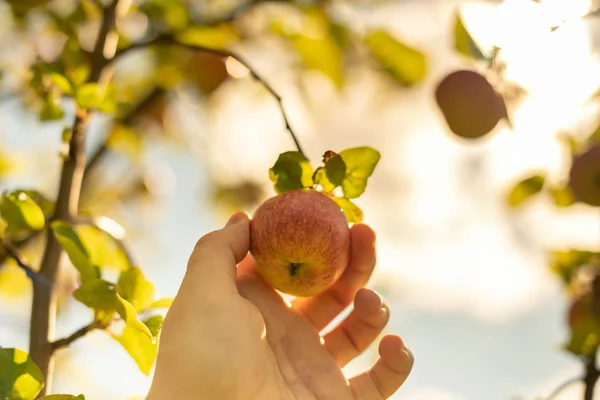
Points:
[(300, 241), (470, 105), (584, 177)]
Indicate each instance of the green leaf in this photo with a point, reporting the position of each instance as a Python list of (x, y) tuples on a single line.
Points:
[(317, 40), (321, 54), (320, 178), (75, 249), (63, 397), (51, 109), (567, 263), (102, 248), (464, 42), (136, 289), (61, 82), (585, 328), (208, 37), (103, 298), (525, 189), (335, 168), (562, 196), (352, 212), (89, 95), (42, 201), (407, 65), (155, 324), (291, 171), (332, 174), (142, 348), (162, 303), (20, 378), (360, 164), (21, 212)]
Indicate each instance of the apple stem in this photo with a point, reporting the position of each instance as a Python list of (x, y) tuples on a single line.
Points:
[(294, 267)]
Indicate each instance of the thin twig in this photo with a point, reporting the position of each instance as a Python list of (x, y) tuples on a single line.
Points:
[(64, 342), (22, 262), (128, 119), (563, 386), (168, 39)]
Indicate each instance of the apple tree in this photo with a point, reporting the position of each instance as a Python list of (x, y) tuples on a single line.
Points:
[(472, 101), (78, 69)]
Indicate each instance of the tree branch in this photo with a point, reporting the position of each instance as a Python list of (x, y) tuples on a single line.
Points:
[(13, 251), (129, 119), (563, 386), (591, 377), (167, 39), (65, 342), (43, 310)]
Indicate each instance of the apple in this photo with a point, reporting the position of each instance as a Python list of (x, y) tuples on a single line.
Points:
[(470, 105), (584, 177), (300, 241)]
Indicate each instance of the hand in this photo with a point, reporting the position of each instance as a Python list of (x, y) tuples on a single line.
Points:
[(228, 335)]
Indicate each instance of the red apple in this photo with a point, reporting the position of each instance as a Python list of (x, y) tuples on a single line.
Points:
[(584, 177), (469, 103), (300, 241)]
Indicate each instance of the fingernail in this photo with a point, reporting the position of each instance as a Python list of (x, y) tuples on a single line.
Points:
[(238, 216)]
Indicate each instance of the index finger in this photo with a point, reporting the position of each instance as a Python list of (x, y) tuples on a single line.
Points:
[(324, 307)]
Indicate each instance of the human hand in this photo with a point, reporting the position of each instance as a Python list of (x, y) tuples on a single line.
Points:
[(228, 335)]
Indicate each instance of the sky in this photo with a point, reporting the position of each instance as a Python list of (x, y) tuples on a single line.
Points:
[(466, 278)]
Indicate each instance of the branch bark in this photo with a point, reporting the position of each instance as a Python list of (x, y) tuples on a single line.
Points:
[(563, 386), (168, 39), (65, 342), (591, 377), (13, 251), (129, 119), (43, 310)]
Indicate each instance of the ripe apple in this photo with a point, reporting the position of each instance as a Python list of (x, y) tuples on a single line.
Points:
[(584, 177), (300, 241), (470, 105)]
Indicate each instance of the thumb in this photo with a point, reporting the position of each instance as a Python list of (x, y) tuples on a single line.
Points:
[(211, 269)]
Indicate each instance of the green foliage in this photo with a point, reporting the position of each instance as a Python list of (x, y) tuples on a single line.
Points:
[(136, 289), (21, 212), (566, 263), (78, 254), (291, 171), (584, 324), (20, 378), (102, 248), (321, 49), (562, 196), (585, 338), (103, 297), (464, 42), (525, 189), (88, 95), (405, 64), (63, 397), (350, 169), (218, 37), (360, 164), (332, 174), (141, 347), (162, 303), (352, 212)]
